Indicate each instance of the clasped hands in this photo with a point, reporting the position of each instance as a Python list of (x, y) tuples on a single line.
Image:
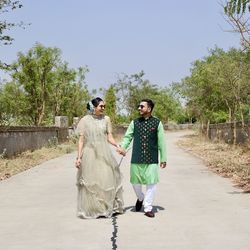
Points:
[(121, 151)]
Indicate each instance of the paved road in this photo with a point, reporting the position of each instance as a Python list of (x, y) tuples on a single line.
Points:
[(196, 210)]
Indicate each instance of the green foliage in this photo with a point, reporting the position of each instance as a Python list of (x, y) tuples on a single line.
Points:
[(122, 119), (218, 88), (130, 90), (6, 6), (69, 93), (44, 87), (236, 13), (237, 6), (219, 117), (110, 99), (34, 73), (5, 39), (12, 109)]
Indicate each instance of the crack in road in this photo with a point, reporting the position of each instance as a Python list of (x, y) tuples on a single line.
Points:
[(114, 232)]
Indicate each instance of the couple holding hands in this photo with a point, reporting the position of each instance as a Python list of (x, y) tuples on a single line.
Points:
[(99, 179)]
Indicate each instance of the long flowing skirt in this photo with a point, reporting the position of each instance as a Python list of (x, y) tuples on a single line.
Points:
[(99, 184)]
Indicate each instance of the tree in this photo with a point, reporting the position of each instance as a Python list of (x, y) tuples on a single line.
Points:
[(200, 92), (230, 69), (168, 106), (76, 96), (47, 87), (218, 87), (110, 98), (130, 90), (123, 88), (6, 6), (230, 81), (238, 18), (12, 110), (34, 72), (5, 39), (68, 93), (237, 6)]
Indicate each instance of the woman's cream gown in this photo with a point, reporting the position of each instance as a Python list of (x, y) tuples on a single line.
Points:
[(99, 177)]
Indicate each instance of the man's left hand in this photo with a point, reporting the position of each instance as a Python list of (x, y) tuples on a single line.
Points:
[(163, 164)]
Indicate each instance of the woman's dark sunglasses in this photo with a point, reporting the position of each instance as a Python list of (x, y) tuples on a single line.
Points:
[(102, 106)]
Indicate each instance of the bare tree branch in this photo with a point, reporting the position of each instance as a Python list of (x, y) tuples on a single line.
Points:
[(236, 16)]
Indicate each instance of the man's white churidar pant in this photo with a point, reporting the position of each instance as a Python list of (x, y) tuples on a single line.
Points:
[(148, 198)]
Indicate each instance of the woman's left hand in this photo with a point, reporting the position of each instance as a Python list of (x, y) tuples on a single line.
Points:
[(78, 163)]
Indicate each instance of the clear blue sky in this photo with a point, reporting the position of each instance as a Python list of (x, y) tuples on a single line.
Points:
[(160, 37)]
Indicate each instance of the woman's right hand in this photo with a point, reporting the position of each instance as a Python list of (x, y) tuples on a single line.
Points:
[(78, 163)]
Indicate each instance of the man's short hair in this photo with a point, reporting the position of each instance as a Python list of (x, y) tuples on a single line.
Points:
[(149, 102)]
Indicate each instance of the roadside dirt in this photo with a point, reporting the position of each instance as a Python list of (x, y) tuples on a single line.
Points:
[(26, 160), (226, 160)]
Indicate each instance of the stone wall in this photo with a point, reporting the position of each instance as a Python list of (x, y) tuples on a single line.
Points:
[(120, 130), (224, 132), (171, 126), (15, 140)]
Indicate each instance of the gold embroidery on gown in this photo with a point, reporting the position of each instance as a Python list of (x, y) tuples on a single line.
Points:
[(99, 177)]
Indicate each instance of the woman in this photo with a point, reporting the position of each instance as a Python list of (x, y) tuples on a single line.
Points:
[(98, 176)]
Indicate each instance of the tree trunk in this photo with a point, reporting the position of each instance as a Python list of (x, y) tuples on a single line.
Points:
[(234, 131), (202, 127), (229, 111), (208, 129), (241, 114), (41, 114), (229, 114)]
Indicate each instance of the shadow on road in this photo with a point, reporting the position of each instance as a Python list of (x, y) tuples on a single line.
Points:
[(155, 209)]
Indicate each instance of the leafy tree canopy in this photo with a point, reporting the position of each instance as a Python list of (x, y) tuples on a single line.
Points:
[(237, 6)]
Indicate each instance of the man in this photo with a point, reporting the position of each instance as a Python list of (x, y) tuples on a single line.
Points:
[(148, 134)]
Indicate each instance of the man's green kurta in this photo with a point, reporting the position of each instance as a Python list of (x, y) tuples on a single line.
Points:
[(149, 141)]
